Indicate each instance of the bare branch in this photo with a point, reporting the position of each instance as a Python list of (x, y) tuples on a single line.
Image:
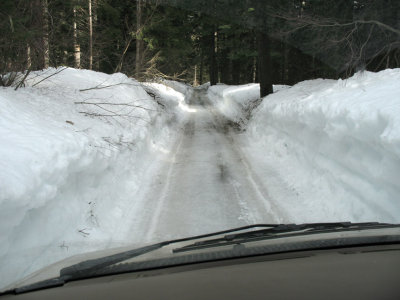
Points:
[(22, 82), (115, 104), (55, 73), (99, 87)]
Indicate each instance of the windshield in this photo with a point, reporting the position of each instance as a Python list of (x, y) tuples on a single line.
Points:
[(127, 123)]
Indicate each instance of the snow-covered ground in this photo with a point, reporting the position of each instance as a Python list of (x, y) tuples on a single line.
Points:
[(236, 102), (327, 150), (91, 161), (69, 170)]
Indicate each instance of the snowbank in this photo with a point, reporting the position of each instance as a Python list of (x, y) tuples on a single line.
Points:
[(335, 145), (74, 151), (236, 102), (180, 87)]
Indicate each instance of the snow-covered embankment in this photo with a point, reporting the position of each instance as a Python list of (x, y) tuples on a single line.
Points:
[(328, 150), (74, 151)]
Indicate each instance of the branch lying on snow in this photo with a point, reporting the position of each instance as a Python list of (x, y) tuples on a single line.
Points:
[(63, 245), (98, 104), (51, 75), (153, 93), (83, 232), (99, 87), (22, 82), (112, 115)]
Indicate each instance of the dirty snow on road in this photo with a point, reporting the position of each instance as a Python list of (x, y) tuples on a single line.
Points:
[(205, 183), (92, 161)]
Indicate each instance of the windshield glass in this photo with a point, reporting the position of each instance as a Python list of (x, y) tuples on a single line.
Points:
[(127, 123)]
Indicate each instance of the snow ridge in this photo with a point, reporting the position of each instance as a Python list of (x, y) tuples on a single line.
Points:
[(75, 150)]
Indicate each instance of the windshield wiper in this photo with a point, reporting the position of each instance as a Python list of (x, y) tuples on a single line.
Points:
[(95, 267), (280, 231), (89, 268)]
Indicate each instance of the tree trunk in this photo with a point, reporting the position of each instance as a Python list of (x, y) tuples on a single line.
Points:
[(286, 57), (139, 40), (236, 72), (45, 20), (264, 64), (224, 62), (77, 48), (213, 59), (195, 83), (96, 60), (90, 36), (255, 69), (201, 68), (28, 57)]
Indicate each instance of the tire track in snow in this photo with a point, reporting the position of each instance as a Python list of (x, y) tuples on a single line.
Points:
[(263, 196), (162, 199), (207, 184)]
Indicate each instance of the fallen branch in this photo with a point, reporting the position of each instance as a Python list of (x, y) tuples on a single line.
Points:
[(83, 232), (59, 71), (22, 82), (115, 104), (113, 115), (98, 87)]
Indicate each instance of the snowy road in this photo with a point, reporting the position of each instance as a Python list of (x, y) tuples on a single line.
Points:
[(206, 185)]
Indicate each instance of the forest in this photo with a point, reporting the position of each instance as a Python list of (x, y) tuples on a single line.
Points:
[(128, 124), (228, 41)]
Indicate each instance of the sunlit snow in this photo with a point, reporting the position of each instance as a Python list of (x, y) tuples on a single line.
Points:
[(76, 177)]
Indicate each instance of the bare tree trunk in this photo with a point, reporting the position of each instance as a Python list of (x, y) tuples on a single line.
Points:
[(195, 83), (28, 57), (264, 64), (46, 48), (90, 36), (96, 60), (139, 41), (213, 59), (286, 57), (254, 75), (201, 68), (77, 48)]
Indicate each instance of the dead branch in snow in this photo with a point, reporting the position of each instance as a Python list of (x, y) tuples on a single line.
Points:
[(99, 87), (51, 75), (115, 104), (64, 246), (83, 232), (112, 115), (22, 81)]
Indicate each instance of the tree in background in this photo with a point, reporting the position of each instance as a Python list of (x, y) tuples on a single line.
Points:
[(234, 42)]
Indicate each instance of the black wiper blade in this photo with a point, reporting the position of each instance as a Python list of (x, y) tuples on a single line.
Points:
[(282, 230), (90, 268), (95, 267), (83, 270), (87, 267)]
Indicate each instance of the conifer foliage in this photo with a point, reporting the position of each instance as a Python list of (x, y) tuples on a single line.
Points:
[(229, 41)]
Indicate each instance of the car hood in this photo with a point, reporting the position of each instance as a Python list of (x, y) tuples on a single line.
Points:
[(53, 271)]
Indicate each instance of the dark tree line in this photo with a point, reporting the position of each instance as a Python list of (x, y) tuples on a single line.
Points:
[(229, 41)]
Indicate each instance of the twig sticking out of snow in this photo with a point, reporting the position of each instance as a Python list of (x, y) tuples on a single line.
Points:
[(98, 104), (99, 87), (51, 75), (83, 232)]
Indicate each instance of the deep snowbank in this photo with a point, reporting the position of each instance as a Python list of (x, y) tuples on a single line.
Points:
[(74, 151), (335, 145), (236, 102)]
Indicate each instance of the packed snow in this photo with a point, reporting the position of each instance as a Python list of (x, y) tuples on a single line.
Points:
[(69, 170), (327, 150), (92, 161), (236, 102)]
